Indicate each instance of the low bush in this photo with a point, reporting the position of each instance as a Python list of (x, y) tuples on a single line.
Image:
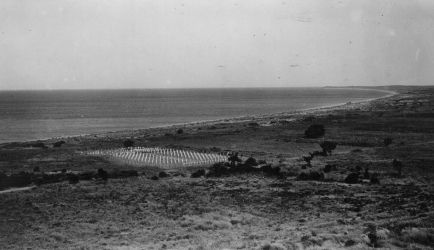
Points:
[(103, 174), (251, 162), (38, 145), (128, 143), (424, 236), (352, 178), (218, 169), (198, 173), (311, 176), (387, 141), (271, 170), (330, 167), (73, 178), (315, 131), (58, 144), (162, 174)]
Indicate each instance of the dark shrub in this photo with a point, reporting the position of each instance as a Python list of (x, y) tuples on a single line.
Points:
[(179, 131), (132, 173), (128, 143), (352, 178), (38, 145), (73, 178), (162, 174), (58, 144), (366, 175), (268, 169), (103, 174), (374, 240), (318, 153), (21, 179), (303, 176), (387, 141), (154, 178), (39, 181), (86, 176), (374, 180), (397, 165), (63, 171), (253, 124), (218, 169), (315, 131), (316, 176), (329, 167), (350, 242), (36, 169), (328, 147), (123, 174), (3, 180), (251, 162), (311, 176), (198, 173)]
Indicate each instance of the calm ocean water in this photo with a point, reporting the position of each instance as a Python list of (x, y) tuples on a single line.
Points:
[(31, 115)]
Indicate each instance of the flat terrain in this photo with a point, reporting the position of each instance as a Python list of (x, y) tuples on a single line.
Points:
[(275, 209)]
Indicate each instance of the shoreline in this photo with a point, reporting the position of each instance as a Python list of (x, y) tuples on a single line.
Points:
[(226, 120)]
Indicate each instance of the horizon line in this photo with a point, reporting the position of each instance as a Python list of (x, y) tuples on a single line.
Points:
[(186, 88)]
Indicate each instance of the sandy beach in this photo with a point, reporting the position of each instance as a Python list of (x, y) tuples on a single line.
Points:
[(328, 108)]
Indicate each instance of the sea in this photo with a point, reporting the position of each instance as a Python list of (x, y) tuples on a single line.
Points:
[(43, 114)]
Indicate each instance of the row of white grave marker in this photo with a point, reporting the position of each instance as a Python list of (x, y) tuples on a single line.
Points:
[(160, 157)]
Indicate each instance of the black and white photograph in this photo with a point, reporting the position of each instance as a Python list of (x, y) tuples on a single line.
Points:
[(216, 124)]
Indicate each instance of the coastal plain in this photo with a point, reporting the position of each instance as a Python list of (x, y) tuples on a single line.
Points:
[(275, 207)]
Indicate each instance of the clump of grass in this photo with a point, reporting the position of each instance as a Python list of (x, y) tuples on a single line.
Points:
[(273, 246), (205, 222), (424, 236)]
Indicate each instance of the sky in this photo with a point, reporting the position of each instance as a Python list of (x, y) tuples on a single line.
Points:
[(110, 44)]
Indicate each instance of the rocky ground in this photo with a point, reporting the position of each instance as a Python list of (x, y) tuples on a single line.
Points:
[(54, 197)]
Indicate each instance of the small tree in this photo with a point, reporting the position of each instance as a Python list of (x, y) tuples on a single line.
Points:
[(387, 141), (128, 143), (315, 131), (327, 147)]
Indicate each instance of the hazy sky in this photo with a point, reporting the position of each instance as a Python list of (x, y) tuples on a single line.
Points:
[(62, 44)]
